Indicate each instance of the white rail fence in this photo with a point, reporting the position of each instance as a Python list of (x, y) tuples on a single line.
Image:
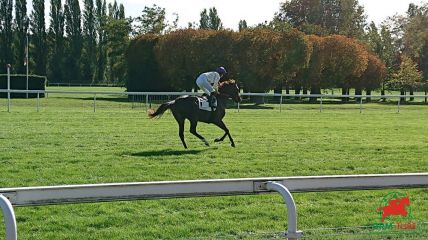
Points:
[(147, 95), (29, 196)]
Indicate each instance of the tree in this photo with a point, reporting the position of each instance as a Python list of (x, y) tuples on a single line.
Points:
[(144, 73), (56, 42), (6, 35), (344, 60), (407, 77), (117, 40), (73, 30), (343, 17), (372, 77), (210, 20), (89, 42), (310, 76), (101, 55), (21, 27), (152, 20), (38, 29), (204, 21), (415, 39), (215, 22), (242, 25)]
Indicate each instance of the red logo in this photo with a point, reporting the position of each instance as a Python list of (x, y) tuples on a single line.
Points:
[(395, 206)]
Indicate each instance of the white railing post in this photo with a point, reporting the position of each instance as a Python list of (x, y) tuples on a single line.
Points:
[(9, 218), (292, 232), (361, 104), (38, 101), (398, 107), (147, 102), (280, 104), (320, 104), (95, 102)]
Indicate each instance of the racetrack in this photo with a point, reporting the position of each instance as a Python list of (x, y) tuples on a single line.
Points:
[(66, 143)]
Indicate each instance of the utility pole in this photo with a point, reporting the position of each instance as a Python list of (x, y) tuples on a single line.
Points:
[(26, 63)]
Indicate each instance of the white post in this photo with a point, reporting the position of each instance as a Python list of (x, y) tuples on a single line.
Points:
[(9, 218), (292, 232), (38, 101), (147, 102), (398, 107), (8, 88), (320, 105), (280, 104), (361, 104), (95, 102)]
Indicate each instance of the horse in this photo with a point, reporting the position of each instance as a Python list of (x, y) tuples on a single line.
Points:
[(187, 107)]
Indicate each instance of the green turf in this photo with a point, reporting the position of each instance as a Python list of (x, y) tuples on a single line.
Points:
[(67, 143)]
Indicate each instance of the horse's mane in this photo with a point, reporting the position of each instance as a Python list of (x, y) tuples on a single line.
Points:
[(226, 83)]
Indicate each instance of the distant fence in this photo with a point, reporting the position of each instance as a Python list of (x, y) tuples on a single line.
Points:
[(146, 97), (85, 84), (29, 196)]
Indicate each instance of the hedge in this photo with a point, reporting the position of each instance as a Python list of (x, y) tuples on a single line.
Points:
[(19, 82)]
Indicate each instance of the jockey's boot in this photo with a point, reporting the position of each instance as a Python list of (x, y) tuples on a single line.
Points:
[(211, 101)]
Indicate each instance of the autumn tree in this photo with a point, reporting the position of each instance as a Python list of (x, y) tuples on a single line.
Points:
[(344, 60), (372, 77)]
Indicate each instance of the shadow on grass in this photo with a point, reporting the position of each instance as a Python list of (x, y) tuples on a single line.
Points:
[(165, 152)]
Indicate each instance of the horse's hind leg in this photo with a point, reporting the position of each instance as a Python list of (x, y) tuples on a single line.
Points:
[(180, 121), (193, 125), (226, 133)]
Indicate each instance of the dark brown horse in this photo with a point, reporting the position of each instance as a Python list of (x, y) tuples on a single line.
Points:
[(187, 107)]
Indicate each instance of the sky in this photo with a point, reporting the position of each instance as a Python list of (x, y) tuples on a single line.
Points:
[(253, 11)]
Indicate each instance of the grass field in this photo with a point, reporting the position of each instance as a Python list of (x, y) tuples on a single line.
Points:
[(67, 143)]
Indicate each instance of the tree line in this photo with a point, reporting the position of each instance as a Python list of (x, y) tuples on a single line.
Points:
[(262, 59), (81, 45)]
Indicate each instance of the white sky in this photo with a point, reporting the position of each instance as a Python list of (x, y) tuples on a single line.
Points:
[(253, 11)]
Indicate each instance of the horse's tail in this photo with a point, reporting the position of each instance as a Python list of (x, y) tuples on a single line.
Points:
[(161, 110)]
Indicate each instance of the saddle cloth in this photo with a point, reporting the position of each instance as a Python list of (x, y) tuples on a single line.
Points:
[(204, 105)]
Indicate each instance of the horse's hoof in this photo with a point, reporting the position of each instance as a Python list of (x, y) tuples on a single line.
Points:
[(217, 140), (206, 143), (233, 145)]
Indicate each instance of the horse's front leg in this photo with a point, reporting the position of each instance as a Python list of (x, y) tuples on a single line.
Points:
[(226, 133), (193, 125)]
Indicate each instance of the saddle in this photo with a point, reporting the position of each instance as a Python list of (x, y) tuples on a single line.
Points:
[(204, 104)]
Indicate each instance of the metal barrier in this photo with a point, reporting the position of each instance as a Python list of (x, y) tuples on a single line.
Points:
[(146, 96), (29, 196)]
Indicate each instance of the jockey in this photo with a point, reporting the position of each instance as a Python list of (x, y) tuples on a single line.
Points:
[(208, 82)]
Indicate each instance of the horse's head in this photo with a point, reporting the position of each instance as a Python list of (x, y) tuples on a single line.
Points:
[(230, 89)]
